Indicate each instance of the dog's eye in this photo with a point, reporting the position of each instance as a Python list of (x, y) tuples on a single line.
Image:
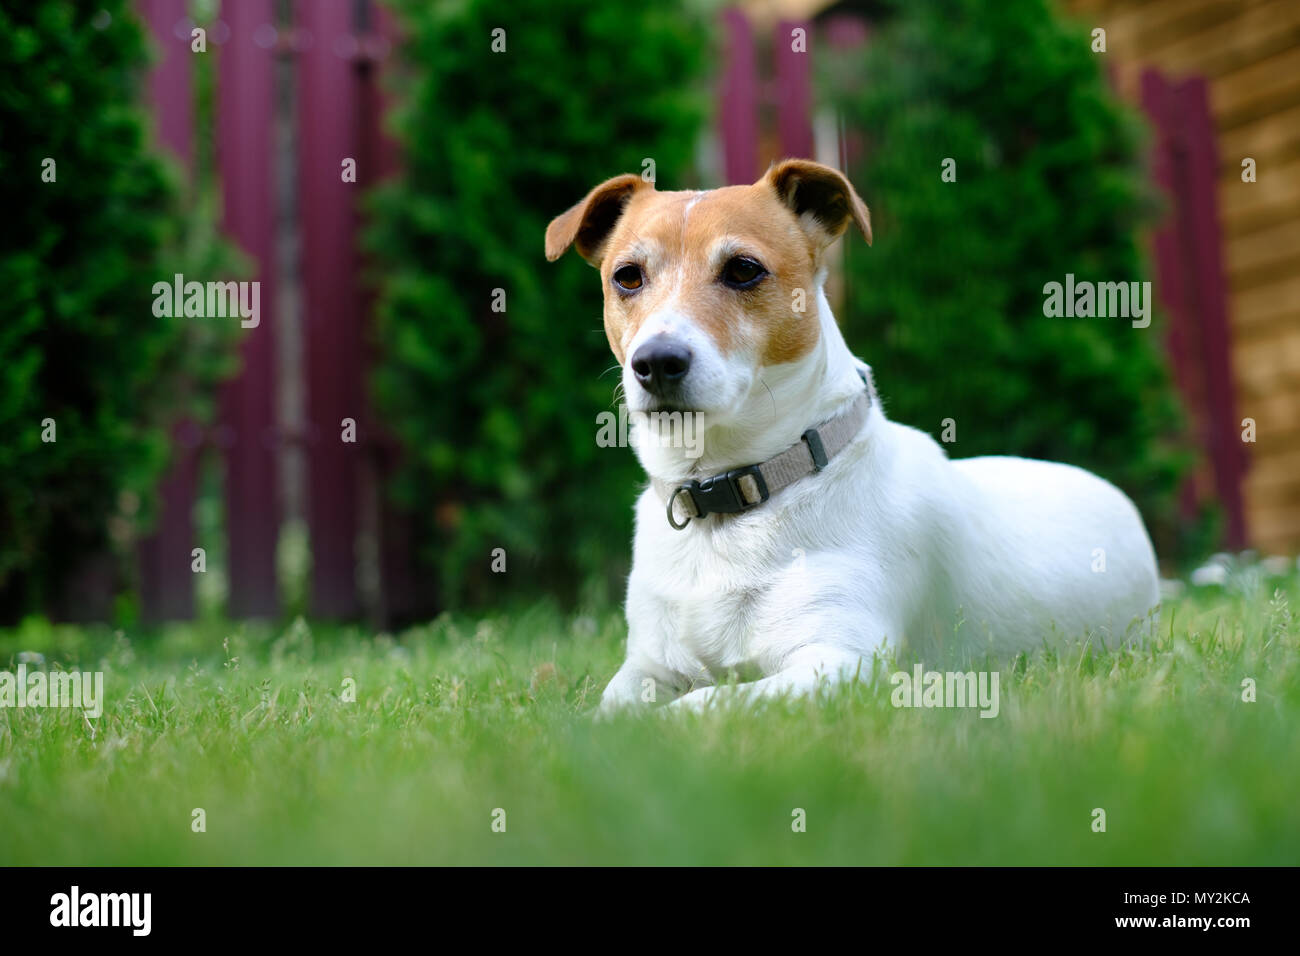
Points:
[(742, 273), (628, 277)]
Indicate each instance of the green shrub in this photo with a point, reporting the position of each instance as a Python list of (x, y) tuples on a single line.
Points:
[(497, 409), (948, 305), (78, 259)]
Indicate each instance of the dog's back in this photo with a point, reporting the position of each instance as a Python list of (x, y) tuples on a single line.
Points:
[(1053, 553)]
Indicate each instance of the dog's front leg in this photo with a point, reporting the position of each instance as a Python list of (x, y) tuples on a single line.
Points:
[(802, 672), (655, 670)]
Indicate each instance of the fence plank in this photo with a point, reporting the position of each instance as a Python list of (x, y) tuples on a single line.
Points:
[(403, 598), (166, 581), (794, 101), (171, 90), (245, 96), (1224, 444), (738, 113), (328, 124), (1171, 280)]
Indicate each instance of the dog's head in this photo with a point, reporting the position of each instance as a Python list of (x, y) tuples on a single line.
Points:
[(706, 290)]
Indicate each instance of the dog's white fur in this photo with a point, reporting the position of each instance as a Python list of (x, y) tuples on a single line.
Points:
[(891, 546)]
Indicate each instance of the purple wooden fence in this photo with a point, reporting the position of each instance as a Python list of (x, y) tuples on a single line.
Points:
[(336, 48)]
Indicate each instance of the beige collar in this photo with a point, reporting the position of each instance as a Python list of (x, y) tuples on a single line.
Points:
[(740, 489)]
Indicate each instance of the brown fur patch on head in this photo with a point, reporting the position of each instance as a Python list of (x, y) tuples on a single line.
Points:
[(682, 240)]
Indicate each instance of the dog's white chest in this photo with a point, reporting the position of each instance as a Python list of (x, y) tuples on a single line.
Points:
[(717, 584), (718, 631)]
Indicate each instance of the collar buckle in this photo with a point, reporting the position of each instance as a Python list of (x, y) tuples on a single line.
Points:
[(727, 493)]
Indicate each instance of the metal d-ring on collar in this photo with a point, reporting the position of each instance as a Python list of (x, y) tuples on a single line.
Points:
[(671, 498)]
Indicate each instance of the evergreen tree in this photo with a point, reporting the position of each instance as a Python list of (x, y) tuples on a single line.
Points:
[(492, 359), (996, 159)]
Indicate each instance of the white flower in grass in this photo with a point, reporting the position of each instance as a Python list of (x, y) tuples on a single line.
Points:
[(1212, 572)]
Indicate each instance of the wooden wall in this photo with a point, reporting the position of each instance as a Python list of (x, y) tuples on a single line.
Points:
[(1249, 52)]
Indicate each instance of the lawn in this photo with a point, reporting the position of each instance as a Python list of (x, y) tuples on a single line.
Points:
[(468, 716)]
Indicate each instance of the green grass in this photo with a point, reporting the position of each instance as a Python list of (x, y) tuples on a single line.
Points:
[(464, 716)]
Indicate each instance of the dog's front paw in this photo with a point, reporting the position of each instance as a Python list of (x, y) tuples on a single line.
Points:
[(696, 701), (621, 694), (612, 705)]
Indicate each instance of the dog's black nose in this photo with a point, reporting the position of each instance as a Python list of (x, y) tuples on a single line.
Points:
[(660, 364)]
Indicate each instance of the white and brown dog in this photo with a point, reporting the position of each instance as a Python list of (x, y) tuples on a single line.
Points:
[(807, 533)]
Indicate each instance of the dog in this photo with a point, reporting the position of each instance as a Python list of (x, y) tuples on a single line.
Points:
[(807, 536)]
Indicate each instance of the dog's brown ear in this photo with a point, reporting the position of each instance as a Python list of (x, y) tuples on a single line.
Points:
[(589, 223), (825, 194)]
